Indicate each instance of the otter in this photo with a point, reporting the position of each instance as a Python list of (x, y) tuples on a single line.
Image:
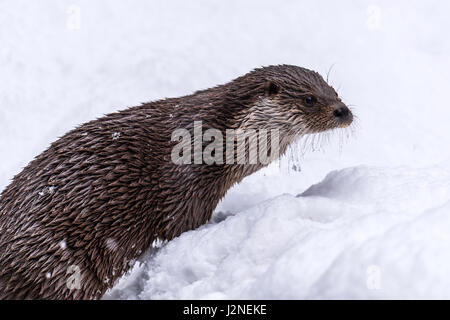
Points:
[(78, 215)]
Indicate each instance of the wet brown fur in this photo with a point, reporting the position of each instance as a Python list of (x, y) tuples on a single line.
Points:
[(100, 195)]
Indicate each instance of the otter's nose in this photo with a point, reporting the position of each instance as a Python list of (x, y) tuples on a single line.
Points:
[(342, 113)]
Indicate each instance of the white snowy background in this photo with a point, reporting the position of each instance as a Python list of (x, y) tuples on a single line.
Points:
[(366, 216)]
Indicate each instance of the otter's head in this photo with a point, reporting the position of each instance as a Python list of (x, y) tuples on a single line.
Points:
[(296, 101)]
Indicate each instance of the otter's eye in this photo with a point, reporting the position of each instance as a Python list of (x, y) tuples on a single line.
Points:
[(310, 101)]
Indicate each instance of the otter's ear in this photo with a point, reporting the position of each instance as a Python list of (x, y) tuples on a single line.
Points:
[(271, 88)]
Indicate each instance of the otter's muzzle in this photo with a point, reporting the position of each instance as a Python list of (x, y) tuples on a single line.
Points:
[(342, 114)]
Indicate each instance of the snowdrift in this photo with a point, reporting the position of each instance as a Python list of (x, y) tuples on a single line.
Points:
[(363, 232)]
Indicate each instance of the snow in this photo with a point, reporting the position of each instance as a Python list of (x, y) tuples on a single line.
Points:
[(63, 244), (365, 215), (116, 135), (328, 242)]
